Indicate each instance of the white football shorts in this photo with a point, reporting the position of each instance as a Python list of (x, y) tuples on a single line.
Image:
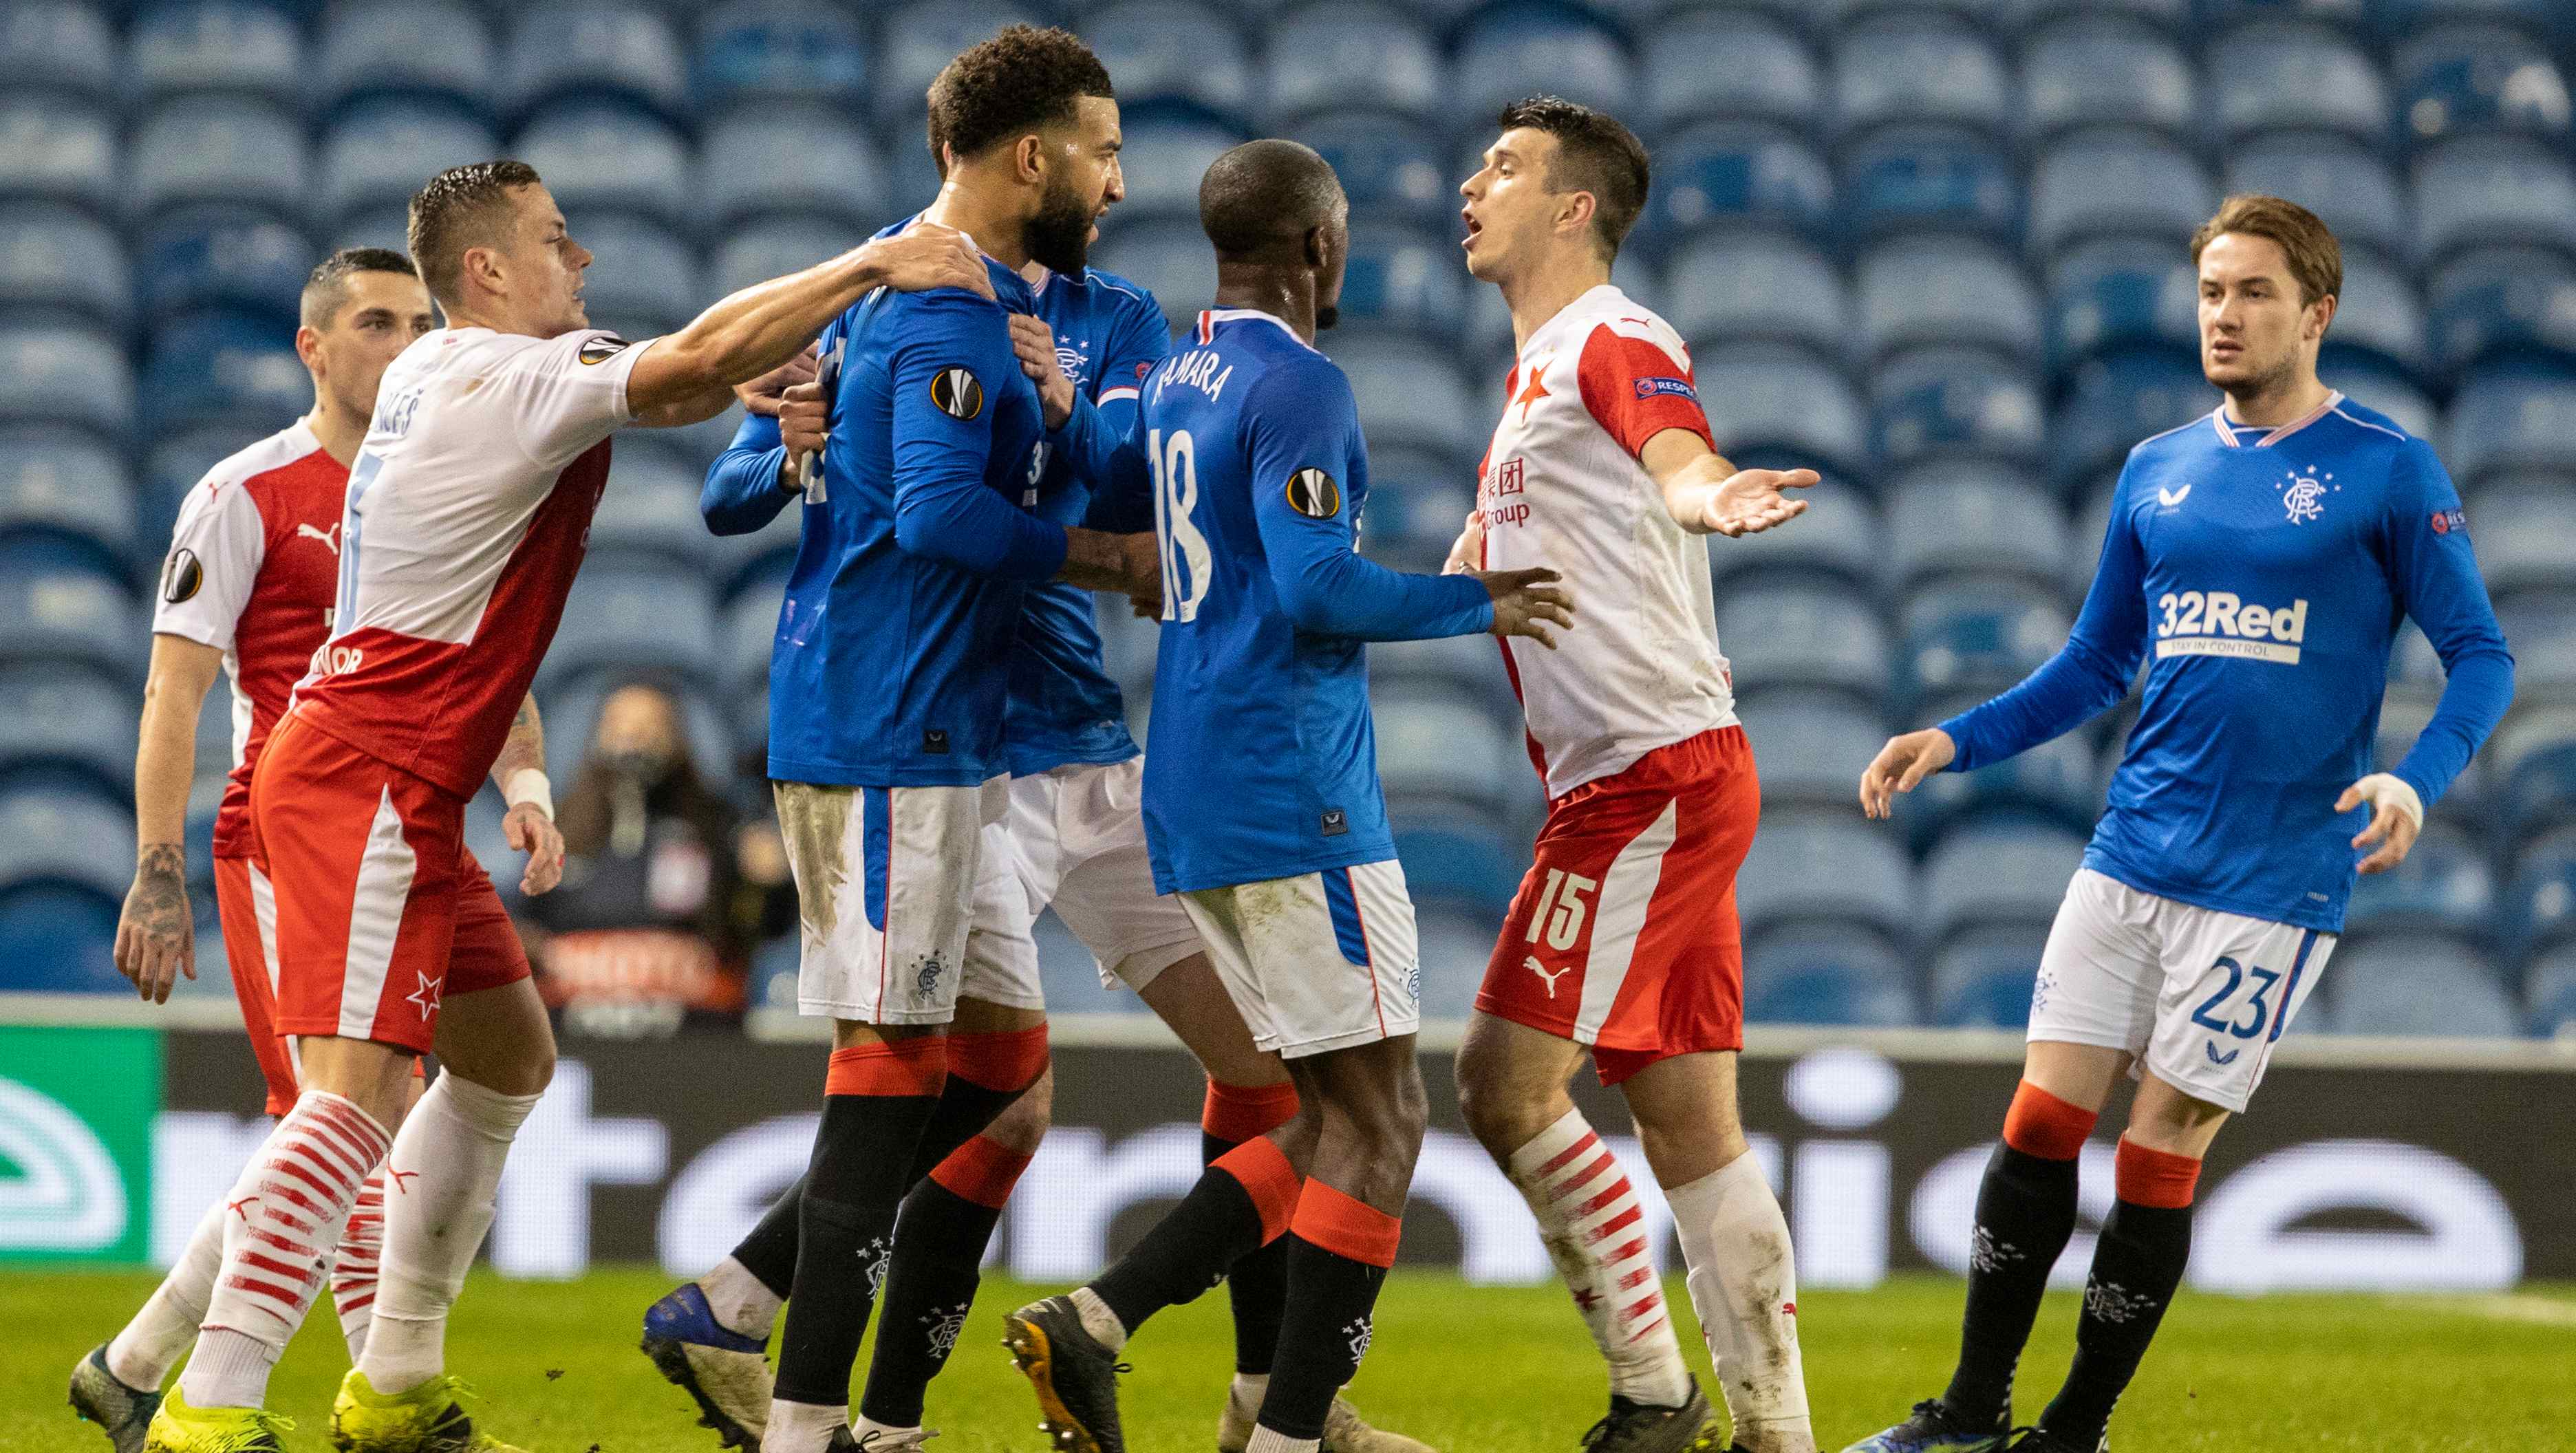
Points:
[(1073, 840), (1318, 962), (885, 891)]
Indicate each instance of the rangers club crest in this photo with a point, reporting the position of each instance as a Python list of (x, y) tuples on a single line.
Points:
[(1359, 1332), (2304, 495), (944, 1326)]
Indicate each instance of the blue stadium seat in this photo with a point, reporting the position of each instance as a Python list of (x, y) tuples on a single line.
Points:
[(62, 607), (776, 246), (1970, 637), (1172, 258), (177, 460), (1918, 68), (1354, 55), (427, 51), (2380, 385), (1819, 869), (381, 149), (1772, 404), (655, 490), (2526, 537), (2549, 995), (605, 156), (2105, 70), (223, 362), (2056, 785), (1945, 401), (2283, 76), (62, 150), (1527, 47), (1946, 290), (749, 627), (763, 51), (1169, 146), (2541, 628), (1789, 635), (1826, 975), (1996, 876), (2455, 79), (1733, 175), (2119, 292), (632, 614), (1939, 178), (2493, 301), (1812, 746), (1985, 979), (65, 837), (60, 885), (60, 259), (57, 372), (2099, 184), (1756, 287), (1839, 539), (1175, 50), (218, 149), (2513, 416), (2443, 886), (1472, 664), (1971, 518), (1389, 167), (51, 718), (2539, 905), (2379, 320), (1447, 745), (246, 46), (2480, 191), (224, 256), (2120, 398), (2342, 181), (2167, 16), (70, 45), (920, 40), (1459, 858), (787, 158), (383, 226), (1456, 942), (2532, 764), (1409, 391), (1403, 277), (58, 939), (592, 50), (63, 481), (1770, 74), (2417, 985)]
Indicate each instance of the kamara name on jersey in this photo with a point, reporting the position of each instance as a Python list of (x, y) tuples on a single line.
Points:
[(1203, 369), (2218, 623)]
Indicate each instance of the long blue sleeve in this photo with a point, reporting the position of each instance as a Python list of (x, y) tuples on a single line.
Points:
[(743, 490), (2088, 674), (943, 435), (1100, 445), (1304, 426), (2439, 586)]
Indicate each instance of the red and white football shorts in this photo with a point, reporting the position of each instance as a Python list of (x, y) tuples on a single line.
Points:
[(1624, 935), (379, 911)]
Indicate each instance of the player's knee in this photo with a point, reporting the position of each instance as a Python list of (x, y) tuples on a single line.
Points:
[(1024, 1123), (1501, 1110)]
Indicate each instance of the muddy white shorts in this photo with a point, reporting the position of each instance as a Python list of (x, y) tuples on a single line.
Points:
[(1319, 962), (885, 889), (2198, 996)]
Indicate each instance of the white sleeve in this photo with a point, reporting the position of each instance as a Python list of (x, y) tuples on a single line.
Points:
[(569, 393), (215, 555)]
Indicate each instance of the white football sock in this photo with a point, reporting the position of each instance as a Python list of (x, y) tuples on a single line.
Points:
[(1250, 1388), (801, 1427), (283, 1217), (353, 1267), (1595, 1230), (866, 1425), (740, 1301), (1098, 1320), (440, 1181), (1744, 1284), (1268, 1440), (142, 1355)]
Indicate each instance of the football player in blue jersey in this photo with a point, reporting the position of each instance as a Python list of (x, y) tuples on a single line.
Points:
[(2258, 562), (1263, 811)]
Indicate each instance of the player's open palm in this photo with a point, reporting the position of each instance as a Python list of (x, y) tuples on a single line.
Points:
[(531, 831), (1902, 763), (1526, 602), (1750, 501), (926, 256), (1033, 339)]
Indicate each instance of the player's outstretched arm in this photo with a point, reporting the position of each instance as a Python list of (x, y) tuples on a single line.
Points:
[(689, 375), (156, 934), (1902, 763), (1707, 495), (520, 773), (1526, 603)]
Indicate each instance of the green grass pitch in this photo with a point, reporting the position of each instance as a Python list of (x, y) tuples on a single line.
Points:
[(1471, 1369)]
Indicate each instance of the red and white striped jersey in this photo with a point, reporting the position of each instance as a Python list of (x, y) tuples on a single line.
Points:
[(1561, 487), (254, 565), (469, 509)]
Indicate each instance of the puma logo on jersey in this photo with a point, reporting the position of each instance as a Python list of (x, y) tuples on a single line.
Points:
[(330, 537), (2218, 623), (2172, 497), (1531, 963)]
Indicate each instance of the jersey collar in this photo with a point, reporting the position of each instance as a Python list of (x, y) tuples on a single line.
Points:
[(2232, 435), (1212, 317)]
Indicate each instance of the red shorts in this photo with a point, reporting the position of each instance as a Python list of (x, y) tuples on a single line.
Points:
[(380, 912), (1624, 935)]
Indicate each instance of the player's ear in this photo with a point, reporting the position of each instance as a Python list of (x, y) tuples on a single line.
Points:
[(1029, 152), (1318, 247), (2322, 312), (308, 347), (1576, 211)]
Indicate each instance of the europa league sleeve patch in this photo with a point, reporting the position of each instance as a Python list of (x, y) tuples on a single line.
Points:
[(956, 393), (182, 577), (1312, 493), (602, 348)]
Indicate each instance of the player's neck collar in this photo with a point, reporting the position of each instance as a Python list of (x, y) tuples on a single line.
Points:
[(2235, 435), (1213, 318)]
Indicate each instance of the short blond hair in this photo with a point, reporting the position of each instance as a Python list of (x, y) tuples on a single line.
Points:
[(2316, 259)]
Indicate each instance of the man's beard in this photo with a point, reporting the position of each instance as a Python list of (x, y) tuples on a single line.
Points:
[(1059, 236), (1326, 316)]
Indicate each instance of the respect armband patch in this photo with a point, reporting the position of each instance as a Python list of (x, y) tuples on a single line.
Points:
[(2450, 522), (1648, 388)]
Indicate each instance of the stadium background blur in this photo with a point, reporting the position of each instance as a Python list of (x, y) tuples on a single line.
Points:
[(1935, 251)]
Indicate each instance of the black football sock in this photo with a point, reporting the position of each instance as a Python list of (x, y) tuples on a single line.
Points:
[(1338, 1253), (939, 1239), (879, 1102), (1241, 1203), (769, 1251), (987, 1073), (2146, 1241), (2025, 1213), (1257, 1285)]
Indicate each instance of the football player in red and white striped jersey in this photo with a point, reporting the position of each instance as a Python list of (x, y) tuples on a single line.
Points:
[(1623, 938)]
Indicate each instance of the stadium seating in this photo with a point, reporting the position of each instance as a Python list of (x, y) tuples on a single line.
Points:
[(1795, 634), (2109, 70), (595, 50), (1731, 175), (218, 148), (919, 39), (61, 372), (2114, 183), (1174, 50), (57, 258), (250, 47), (2549, 995), (71, 46), (759, 52), (63, 482), (1994, 876), (1827, 976), (2457, 79), (1390, 168), (2495, 301), (786, 158), (2275, 75), (1970, 517), (1770, 74), (1759, 287), (70, 720), (219, 256), (1354, 55), (643, 278), (1958, 636), (1935, 178), (1946, 290), (1810, 746), (60, 148), (1984, 980), (633, 614), (1905, 67), (375, 53), (1826, 868), (2417, 984), (223, 363), (2121, 292), (2478, 191), (2343, 181), (599, 155), (1527, 47), (1949, 402), (1839, 539)]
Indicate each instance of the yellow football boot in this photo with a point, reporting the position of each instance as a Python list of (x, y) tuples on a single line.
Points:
[(430, 1418), (179, 1428)]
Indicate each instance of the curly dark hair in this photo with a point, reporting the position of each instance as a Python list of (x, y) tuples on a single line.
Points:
[(460, 208), (1022, 79), (1595, 154), (326, 288)]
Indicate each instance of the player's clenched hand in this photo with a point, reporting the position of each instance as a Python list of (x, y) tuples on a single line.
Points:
[(1034, 341), (532, 832), (803, 420), (2396, 815), (1144, 574), (1469, 548), (1900, 764), (156, 937), (1524, 600), (763, 395), (927, 255), (1749, 501)]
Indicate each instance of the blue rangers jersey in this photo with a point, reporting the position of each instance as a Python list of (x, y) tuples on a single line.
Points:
[(1264, 763), (2261, 575)]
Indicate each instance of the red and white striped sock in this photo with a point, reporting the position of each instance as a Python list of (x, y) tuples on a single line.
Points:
[(1595, 1230), (287, 1212), (353, 1270)]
